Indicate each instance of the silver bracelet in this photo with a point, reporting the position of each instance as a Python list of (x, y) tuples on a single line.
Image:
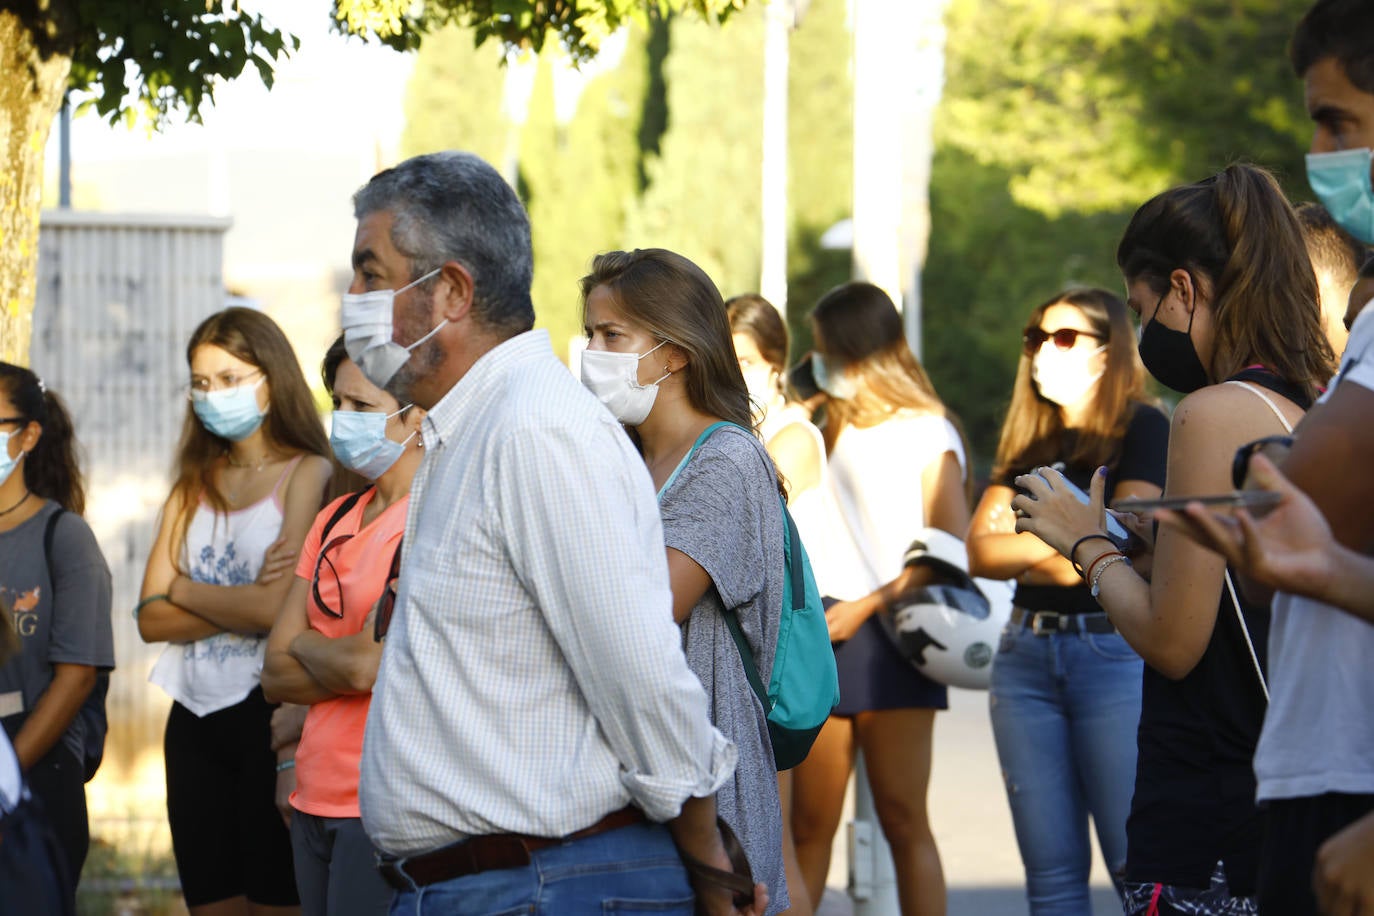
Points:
[(1097, 576)]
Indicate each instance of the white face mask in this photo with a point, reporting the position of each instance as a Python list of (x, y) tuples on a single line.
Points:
[(614, 379), (366, 319), (1064, 377), (832, 379)]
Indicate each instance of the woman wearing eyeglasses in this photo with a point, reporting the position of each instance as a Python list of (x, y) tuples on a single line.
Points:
[(1065, 692), (1219, 275), (55, 590), (323, 653), (250, 475)]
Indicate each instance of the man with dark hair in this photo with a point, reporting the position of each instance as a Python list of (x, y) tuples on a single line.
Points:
[(536, 742), (1314, 764), (1336, 257), (1333, 53)]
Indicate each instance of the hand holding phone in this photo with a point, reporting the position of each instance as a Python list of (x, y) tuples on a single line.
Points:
[(1124, 540)]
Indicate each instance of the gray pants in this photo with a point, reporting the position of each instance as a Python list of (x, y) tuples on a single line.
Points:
[(336, 867)]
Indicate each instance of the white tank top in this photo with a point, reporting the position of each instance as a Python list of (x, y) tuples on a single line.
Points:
[(220, 670)]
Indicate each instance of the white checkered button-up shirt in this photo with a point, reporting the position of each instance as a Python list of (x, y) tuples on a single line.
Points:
[(533, 679)]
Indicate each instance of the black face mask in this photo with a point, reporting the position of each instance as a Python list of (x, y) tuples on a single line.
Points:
[(1170, 357)]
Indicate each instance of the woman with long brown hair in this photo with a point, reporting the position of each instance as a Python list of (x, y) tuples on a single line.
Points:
[(660, 357), (897, 464), (1218, 272), (55, 580), (1065, 692), (250, 473)]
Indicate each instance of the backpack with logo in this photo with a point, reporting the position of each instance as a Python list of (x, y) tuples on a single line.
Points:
[(92, 711), (804, 685)]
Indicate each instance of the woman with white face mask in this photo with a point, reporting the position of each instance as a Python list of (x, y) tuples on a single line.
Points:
[(322, 651), (1065, 690), (660, 357), (798, 450), (896, 464), (250, 475)]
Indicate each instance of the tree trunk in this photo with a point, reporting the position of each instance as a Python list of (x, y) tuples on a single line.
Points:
[(33, 77), (779, 16)]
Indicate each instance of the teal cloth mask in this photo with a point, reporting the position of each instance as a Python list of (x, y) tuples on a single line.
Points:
[(1341, 182)]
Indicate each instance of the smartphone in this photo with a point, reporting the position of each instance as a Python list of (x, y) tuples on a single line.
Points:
[(1124, 540), (1239, 499)]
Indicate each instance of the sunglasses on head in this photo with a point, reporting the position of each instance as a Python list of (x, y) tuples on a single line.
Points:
[(1064, 338)]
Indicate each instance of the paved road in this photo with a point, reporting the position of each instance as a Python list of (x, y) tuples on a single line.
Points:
[(972, 824)]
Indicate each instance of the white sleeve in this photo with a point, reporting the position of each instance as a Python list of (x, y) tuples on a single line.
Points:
[(1357, 363)]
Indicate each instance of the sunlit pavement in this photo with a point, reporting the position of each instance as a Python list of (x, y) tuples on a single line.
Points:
[(972, 824)]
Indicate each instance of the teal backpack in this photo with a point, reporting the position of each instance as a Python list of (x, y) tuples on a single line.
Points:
[(804, 686)]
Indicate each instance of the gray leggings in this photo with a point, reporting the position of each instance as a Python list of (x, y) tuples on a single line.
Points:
[(336, 867)]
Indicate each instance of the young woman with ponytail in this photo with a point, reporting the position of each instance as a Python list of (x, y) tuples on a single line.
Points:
[(1227, 298), (55, 581), (250, 474)]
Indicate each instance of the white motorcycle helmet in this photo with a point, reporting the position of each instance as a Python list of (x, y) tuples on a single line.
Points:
[(950, 630)]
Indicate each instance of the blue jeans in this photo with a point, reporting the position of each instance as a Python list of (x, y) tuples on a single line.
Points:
[(1065, 708), (630, 871)]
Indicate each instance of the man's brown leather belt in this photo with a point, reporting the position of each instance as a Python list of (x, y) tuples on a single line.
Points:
[(488, 853)]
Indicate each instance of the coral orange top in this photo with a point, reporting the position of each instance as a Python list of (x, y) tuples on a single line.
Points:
[(350, 579)]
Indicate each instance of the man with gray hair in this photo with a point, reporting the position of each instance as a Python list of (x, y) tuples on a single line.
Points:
[(534, 725)]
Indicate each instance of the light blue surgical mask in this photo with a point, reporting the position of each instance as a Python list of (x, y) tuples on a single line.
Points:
[(831, 379), (1341, 182), (361, 444), (7, 464), (230, 413)]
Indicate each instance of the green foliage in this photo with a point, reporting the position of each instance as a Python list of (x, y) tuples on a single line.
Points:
[(820, 122), (580, 26), (703, 198), (453, 99), (174, 52), (1058, 121), (580, 178)]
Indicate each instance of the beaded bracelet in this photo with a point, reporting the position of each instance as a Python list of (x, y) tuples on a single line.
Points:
[(286, 765), (1100, 558), (1097, 579), (1096, 536)]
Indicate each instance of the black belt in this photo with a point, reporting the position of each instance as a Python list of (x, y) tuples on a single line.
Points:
[(487, 853), (1043, 623)]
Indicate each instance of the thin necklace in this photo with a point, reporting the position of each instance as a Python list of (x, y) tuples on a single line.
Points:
[(21, 502), (261, 462)]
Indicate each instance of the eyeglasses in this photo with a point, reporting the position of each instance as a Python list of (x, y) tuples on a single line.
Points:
[(4, 420), (225, 380), (1272, 447), (320, 562), (386, 604), (1064, 338)]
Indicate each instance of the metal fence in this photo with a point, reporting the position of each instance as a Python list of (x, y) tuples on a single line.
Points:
[(118, 297)]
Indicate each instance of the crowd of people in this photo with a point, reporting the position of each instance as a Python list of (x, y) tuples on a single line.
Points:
[(491, 645)]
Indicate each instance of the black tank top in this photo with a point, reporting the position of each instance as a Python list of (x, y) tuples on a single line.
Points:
[(1194, 802)]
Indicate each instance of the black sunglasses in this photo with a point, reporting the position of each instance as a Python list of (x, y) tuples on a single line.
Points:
[(1064, 338), (4, 420), (1273, 448), (320, 563), (386, 605)]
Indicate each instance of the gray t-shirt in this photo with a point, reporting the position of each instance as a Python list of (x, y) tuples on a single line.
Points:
[(62, 612), (722, 510)]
